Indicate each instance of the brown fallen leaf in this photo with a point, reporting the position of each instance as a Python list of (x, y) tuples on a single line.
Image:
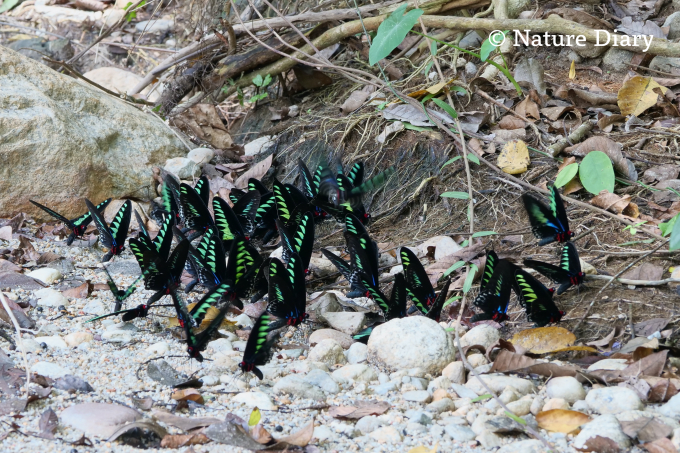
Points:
[(14, 405), (25, 244), (587, 99), (639, 386), (184, 423), (599, 444), (622, 166), (188, 394), (508, 361), (79, 292), (606, 122), (514, 157), (528, 109), (661, 391), (645, 271), (606, 342), (561, 420), (257, 171), (260, 434), (310, 78), (660, 446), (581, 17), (637, 95), (299, 438), (542, 340), (646, 429), (355, 100), (661, 173), (616, 204), (510, 122), (361, 409), (651, 365), (183, 440), (204, 121), (648, 327), (48, 424)]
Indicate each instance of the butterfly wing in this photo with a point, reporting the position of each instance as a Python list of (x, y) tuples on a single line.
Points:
[(54, 214), (544, 224), (163, 240), (398, 297), (235, 195), (105, 237), (355, 175), (195, 213), (171, 198), (202, 188), (494, 298), (258, 347), (536, 299), (284, 202), (212, 299), (246, 210), (142, 228), (80, 223), (417, 282), (243, 266), (557, 208), (296, 275), (360, 251), (343, 266), (383, 302), (489, 266), (310, 187), (255, 185), (228, 224), (301, 241), (281, 292), (435, 311), (121, 223), (554, 273)]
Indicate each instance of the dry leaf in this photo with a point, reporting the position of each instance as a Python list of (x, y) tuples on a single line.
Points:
[(587, 99), (646, 429), (661, 173), (572, 70), (48, 423), (581, 18), (648, 28), (79, 292), (183, 440), (606, 122), (514, 157), (646, 328), (637, 95), (542, 340), (661, 391), (508, 361), (260, 434), (528, 109), (203, 121), (310, 78), (354, 101), (599, 444), (362, 409), (660, 446), (645, 271), (257, 171), (510, 122), (607, 341), (184, 423), (188, 395), (616, 204), (390, 129), (530, 71), (622, 166), (561, 421), (414, 115), (299, 438)]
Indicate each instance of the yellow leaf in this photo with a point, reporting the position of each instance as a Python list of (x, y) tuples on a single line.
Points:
[(572, 70), (434, 89), (421, 449), (561, 420), (576, 348), (255, 417), (542, 340), (514, 157), (637, 95)]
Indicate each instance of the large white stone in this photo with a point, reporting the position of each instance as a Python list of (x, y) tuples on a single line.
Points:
[(46, 275), (604, 426), (49, 297), (498, 382), (329, 352), (258, 145), (116, 79), (255, 399), (567, 388), (49, 369), (54, 342), (613, 400), (483, 335), (98, 419), (182, 167), (201, 155)]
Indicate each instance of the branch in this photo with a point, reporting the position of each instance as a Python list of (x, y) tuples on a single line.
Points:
[(20, 342)]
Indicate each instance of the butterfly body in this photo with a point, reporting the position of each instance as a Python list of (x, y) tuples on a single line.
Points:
[(548, 223), (536, 299), (567, 274), (112, 236), (287, 293), (258, 347), (495, 289)]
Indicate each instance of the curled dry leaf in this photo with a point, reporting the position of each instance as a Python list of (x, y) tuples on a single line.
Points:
[(48, 423), (561, 420), (606, 342), (260, 434), (184, 423), (606, 122), (661, 391), (145, 425), (514, 157), (543, 340), (299, 438), (390, 129), (528, 109), (616, 204), (204, 121), (188, 395), (587, 99), (530, 70), (645, 271), (648, 327), (660, 446), (649, 28), (599, 444), (413, 115), (646, 429), (637, 95), (509, 361), (354, 101), (79, 292), (510, 122), (622, 166), (361, 409), (661, 173), (257, 171), (183, 440)]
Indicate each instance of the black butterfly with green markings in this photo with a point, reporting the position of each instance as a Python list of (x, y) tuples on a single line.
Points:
[(113, 236), (291, 204), (287, 293), (299, 241), (394, 307), (548, 223), (568, 273), (77, 225), (310, 187), (170, 205), (193, 208), (536, 299), (355, 175), (227, 222), (242, 267), (419, 288), (265, 214), (206, 263), (347, 271), (494, 289), (363, 252), (258, 349), (120, 294)]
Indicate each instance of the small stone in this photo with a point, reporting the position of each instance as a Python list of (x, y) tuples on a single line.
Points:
[(455, 372), (182, 167), (368, 424), (322, 380), (49, 369), (417, 396), (46, 275), (159, 348), (498, 382), (98, 419), (459, 433), (386, 435), (48, 297), (357, 373), (154, 26), (297, 386), (28, 345), (322, 334), (76, 338), (209, 381), (555, 403), (520, 407), (616, 59), (537, 405), (463, 391), (347, 322), (124, 267), (357, 353), (322, 433), (567, 388), (673, 23), (420, 417), (258, 145), (483, 335), (470, 69), (489, 440), (609, 364), (94, 307), (441, 405), (671, 408), (580, 406), (256, 399), (509, 395), (244, 320), (384, 389), (440, 393), (613, 400), (477, 360), (329, 352), (415, 429), (604, 426), (201, 155), (221, 345), (523, 446), (117, 336), (54, 342), (444, 246)]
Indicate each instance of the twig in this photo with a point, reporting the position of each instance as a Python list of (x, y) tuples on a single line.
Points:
[(628, 281), (630, 321), (523, 118), (574, 137), (652, 70), (20, 341), (614, 278)]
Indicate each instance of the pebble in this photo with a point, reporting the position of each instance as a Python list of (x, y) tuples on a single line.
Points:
[(414, 341), (523, 446), (498, 382), (347, 322), (489, 440), (604, 426), (297, 386), (98, 419), (159, 348), (581, 406), (77, 338), (567, 388), (220, 345), (441, 405), (258, 145), (124, 267), (455, 372), (482, 335), (463, 391), (323, 380), (520, 407), (459, 433), (323, 433), (48, 297), (358, 373), (244, 320), (329, 352), (182, 167), (322, 334), (384, 389), (54, 342), (368, 424), (209, 381), (477, 360), (155, 26), (357, 353), (613, 400), (201, 155), (29, 345), (417, 396), (49, 369), (46, 275), (94, 307), (117, 336), (256, 399), (609, 364), (386, 435), (671, 408)]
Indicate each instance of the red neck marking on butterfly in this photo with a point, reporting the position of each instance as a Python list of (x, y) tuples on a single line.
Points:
[(368, 294), (499, 317), (552, 290), (307, 271)]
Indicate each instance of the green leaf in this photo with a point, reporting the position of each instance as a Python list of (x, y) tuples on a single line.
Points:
[(450, 161), (446, 107), (472, 158), (255, 417), (426, 71), (267, 81), (597, 173), (456, 265), (486, 396), (470, 277), (480, 234), (488, 46), (667, 227), (258, 80), (521, 421), (450, 301), (433, 48), (9, 4), (465, 243), (133, 14), (411, 127), (675, 237), (459, 195), (458, 89), (392, 32), (566, 175), (646, 241)]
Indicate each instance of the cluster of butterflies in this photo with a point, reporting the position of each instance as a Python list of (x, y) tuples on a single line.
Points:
[(549, 223)]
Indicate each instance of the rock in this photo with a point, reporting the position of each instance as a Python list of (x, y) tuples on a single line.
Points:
[(417, 396), (154, 26), (357, 373), (221, 345), (201, 155), (386, 435), (321, 266), (48, 297), (459, 433), (671, 408), (616, 59), (94, 307), (117, 336), (444, 246), (345, 321), (673, 23), (297, 386), (606, 426), (160, 348), (463, 391), (471, 40), (35, 48), (110, 146), (182, 167), (412, 342), (477, 360), (118, 80), (498, 382), (255, 399), (8, 266), (368, 424), (555, 403), (244, 320), (357, 353), (589, 50), (29, 345), (613, 400), (323, 433), (666, 64), (322, 380), (420, 417), (124, 267), (54, 342), (470, 69), (520, 407), (441, 405), (98, 419), (326, 302), (384, 389), (71, 383), (567, 388), (258, 145), (210, 380), (324, 334), (489, 440), (49, 369), (523, 446), (327, 351), (455, 372), (482, 335), (580, 406), (46, 275)]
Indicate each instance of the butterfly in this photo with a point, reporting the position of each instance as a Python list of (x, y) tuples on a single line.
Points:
[(170, 205), (548, 223), (265, 215), (242, 267), (494, 289), (193, 206), (310, 187), (287, 294), (112, 236), (299, 241), (258, 349), (228, 223), (363, 251), (291, 204), (355, 175), (536, 299), (394, 307), (206, 262), (77, 225), (345, 268), (120, 294), (567, 274)]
